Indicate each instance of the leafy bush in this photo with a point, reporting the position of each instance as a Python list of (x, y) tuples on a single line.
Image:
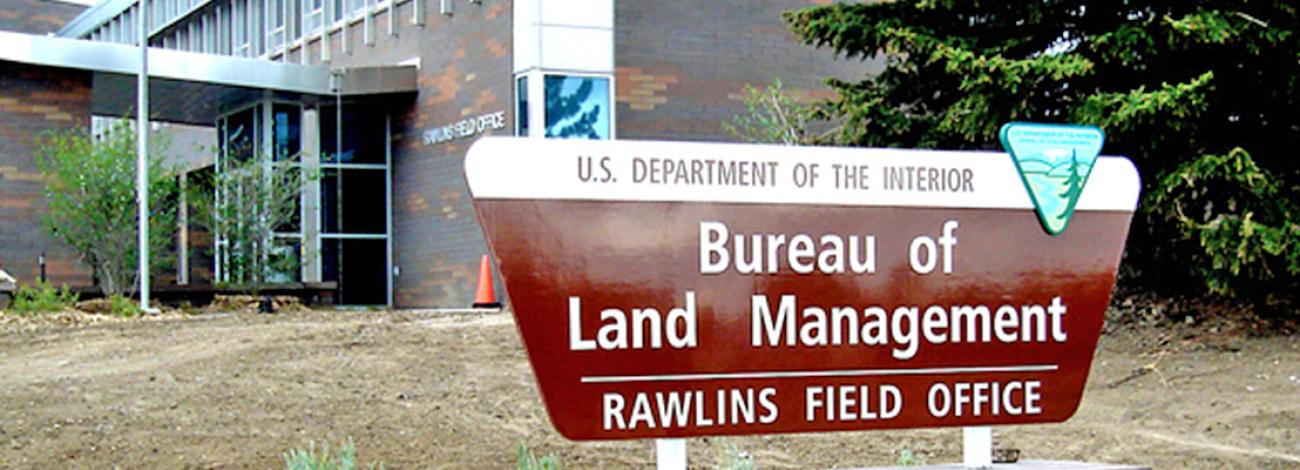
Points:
[(772, 116), (122, 306), (1241, 218), (311, 458), (90, 195), (254, 197), (41, 298), (529, 461)]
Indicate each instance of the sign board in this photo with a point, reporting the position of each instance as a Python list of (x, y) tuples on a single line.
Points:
[(1054, 162), (464, 128), (668, 289)]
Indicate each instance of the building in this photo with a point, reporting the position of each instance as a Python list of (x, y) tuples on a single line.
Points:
[(386, 96)]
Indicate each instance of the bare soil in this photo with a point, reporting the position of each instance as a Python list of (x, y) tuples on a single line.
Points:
[(427, 390)]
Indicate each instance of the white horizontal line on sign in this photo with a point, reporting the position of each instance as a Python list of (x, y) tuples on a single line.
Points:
[(795, 374), (627, 170)]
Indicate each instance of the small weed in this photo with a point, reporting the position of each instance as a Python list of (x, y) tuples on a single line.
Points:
[(42, 297), (735, 458), (906, 458), (529, 461), (311, 458)]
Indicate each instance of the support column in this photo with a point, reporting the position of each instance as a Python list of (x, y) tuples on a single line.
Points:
[(311, 247), (183, 234)]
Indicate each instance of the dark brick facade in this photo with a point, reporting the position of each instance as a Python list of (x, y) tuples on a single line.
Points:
[(680, 72), (682, 65), (36, 16), (465, 70), (34, 100)]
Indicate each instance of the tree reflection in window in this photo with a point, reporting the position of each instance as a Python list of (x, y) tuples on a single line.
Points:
[(577, 107)]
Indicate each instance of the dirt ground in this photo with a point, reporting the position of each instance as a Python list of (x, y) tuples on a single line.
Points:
[(429, 390)]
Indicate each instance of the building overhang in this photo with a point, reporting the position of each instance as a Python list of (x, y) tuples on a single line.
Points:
[(195, 88)]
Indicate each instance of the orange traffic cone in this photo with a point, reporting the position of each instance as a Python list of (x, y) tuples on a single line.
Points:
[(486, 296)]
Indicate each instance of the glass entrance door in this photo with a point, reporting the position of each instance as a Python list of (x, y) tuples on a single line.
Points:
[(355, 206)]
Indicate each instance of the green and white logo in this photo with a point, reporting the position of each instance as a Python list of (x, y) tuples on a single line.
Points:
[(1054, 163)]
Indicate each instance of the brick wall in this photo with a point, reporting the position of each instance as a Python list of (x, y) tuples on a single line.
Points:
[(682, 65), (681, 69), (465, 71), (36, 16), (34, 100)]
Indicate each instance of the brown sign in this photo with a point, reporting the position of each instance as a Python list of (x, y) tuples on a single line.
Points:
[(671, 289)]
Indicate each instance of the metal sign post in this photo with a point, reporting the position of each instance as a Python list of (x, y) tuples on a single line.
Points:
[(142, 153), (670, 454), (977, 446)]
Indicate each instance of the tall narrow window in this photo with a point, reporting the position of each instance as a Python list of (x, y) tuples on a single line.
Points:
[(274, 24), (242, 37), (521, 106), (315, 15)]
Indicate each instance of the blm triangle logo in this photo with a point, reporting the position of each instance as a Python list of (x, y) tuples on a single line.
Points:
[(1054, 163)]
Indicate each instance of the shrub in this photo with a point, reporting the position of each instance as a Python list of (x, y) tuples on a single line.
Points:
[(122, 306), (90, 194), (772, 116), (43, 297), (1240, 219)]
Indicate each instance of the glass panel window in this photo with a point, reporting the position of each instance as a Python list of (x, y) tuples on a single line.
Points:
[(352, 201), (241, 133), (360, 267), (355, 7), (239, 21), (362, 138), (196, 37), (521, 106), (295, 17), (286, 124), (274, 24), (315, 15), (577, 107)]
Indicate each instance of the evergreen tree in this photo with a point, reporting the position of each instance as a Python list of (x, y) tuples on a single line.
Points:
[(1073, 182), (1202, 95)]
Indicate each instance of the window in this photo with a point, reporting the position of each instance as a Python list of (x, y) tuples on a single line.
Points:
[(315, 15), (521, 107), (209, 33), (223, 30), (244, 135), (128, 26), (286, 121), (577, 107), (295, 12), (240, 45), (241, 134), (274, 24)]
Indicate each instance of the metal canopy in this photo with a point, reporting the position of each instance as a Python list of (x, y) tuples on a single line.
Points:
[(193, 88)]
